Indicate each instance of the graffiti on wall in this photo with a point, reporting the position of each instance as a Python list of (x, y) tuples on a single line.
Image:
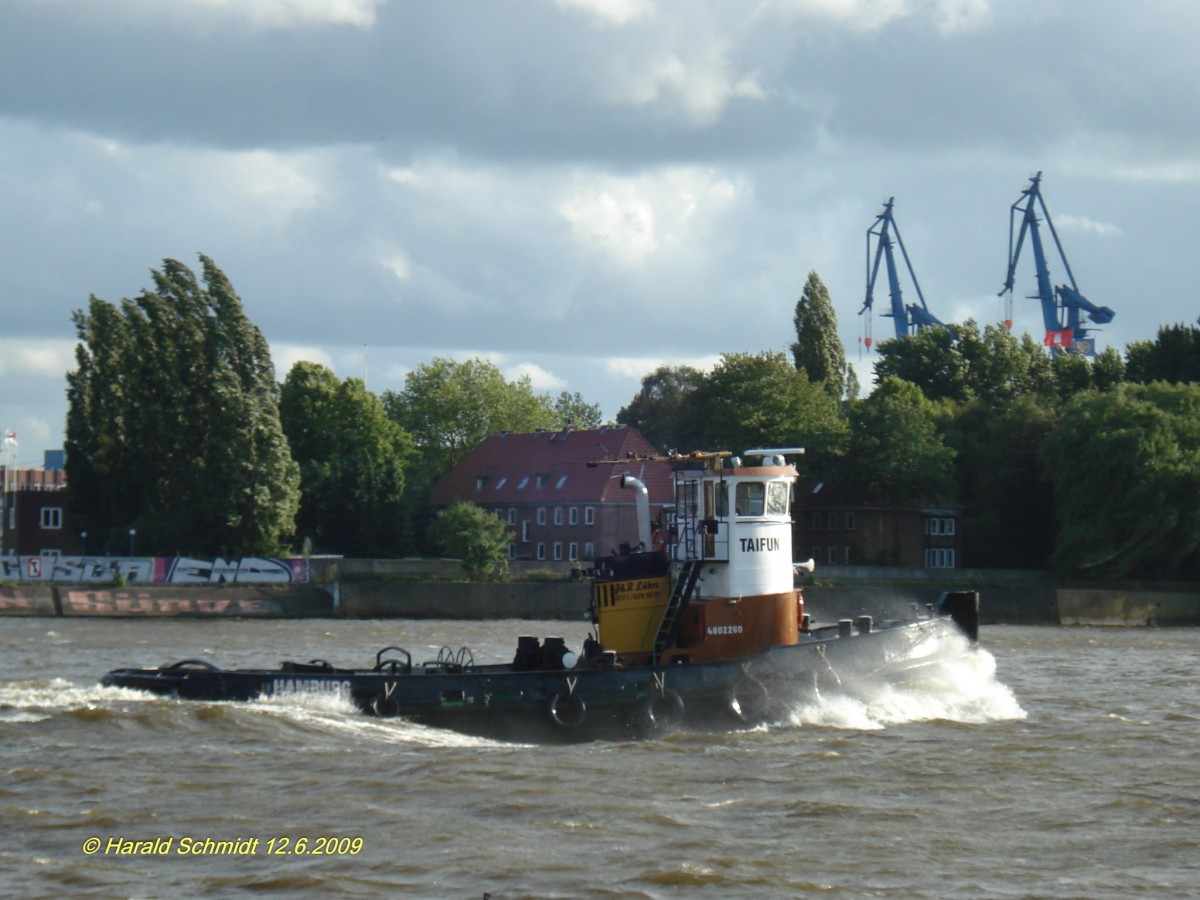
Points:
[(154, 570)]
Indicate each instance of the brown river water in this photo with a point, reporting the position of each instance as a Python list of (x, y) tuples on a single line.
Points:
[(1054, 762)]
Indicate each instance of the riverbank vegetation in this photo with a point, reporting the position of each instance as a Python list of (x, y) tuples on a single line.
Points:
[(177, 433)]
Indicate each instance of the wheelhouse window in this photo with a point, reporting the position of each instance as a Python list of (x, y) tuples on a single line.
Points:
[(750, 498), (778, 498)]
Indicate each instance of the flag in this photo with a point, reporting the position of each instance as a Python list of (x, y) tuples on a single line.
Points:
[(1060, 338)]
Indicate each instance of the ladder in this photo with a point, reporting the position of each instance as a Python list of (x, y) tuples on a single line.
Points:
[(681, 593)]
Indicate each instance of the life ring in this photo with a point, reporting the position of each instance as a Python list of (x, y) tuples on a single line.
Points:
[(750, 700), (385, 707), (663, 709), (658, 540), (567, 711)]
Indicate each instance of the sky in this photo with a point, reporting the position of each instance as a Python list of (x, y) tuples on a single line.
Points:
[(580, 190)]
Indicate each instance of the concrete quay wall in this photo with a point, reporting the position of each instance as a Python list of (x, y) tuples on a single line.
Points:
[(383, 597)]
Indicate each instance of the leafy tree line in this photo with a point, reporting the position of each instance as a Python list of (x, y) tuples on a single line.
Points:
[(1088, 465), (178, 435), (177, 429)]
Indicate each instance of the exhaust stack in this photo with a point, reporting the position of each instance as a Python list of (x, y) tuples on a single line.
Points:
[(643, 507)]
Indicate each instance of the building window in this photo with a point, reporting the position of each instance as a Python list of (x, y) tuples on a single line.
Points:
[(512, 551), (525, 531), (51, 517), (589, 515), (939, 558), (846, 555), (541, 550), (589, 550), (572, 551), (558, 515), (524, 481), (940, 525), (558, 550), (573, 515), (501, 482), (816, 521), (849, 521), (833, 521), (541, 515), (512, 515), (831, 556), (480, 482), (559, 484), (541, 481)]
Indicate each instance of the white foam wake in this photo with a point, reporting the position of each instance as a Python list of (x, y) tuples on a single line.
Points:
[(953, 687)]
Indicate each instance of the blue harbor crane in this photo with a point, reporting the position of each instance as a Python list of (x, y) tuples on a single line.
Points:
[(1063, 307), (906, 319)]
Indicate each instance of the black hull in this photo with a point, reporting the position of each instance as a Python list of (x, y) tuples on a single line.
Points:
[(589, 702)]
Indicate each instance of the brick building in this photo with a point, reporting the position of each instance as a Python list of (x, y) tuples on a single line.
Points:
[(559, 504), (33, 513), (835, 530)]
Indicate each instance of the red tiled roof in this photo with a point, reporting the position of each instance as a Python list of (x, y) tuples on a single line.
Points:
[(552, 467)]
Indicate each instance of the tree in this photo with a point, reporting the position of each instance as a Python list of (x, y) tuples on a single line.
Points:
[(761, 400), (1125, 469), (817, 349), (931, 359), (896, 454), (449, 407), (1009, 520), (352, 463), (173, 422), (573, 410), (470, 533), (1173, 356), (662, 409)]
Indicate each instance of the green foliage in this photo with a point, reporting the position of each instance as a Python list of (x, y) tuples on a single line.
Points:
[(468, 532), (1173, 356), (762, 400), (817, 350), (1009, 520), (1125, 466), (896, 453), (929, 359), (352, 463), (573, 410), (173, 424), (450, 407), (662, 410)]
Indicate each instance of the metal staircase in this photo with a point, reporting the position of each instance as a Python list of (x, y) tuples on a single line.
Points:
[(681, 593)]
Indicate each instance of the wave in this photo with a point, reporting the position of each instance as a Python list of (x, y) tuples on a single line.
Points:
[(950, 687)]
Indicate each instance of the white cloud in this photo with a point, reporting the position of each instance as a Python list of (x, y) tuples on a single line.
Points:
[(289, 13), (284, 356), (611, 12), (630, 219), (539, 378), (399, 265), (39, 358), (639, 367), (1084, 224), (948, 16)]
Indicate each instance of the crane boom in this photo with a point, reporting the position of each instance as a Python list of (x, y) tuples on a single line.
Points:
[(1063, 307), (906, 319)]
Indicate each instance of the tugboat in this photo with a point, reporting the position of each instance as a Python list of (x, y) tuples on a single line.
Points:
[(697, 625)]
